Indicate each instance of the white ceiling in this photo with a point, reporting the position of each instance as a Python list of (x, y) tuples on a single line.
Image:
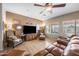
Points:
[(28, 9)]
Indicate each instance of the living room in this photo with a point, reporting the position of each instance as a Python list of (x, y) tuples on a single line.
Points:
[(46, 29)]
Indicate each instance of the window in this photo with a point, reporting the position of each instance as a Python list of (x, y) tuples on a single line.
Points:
[(48, 29), (55, 29), (69, 28), (77, 27), (37, 28)]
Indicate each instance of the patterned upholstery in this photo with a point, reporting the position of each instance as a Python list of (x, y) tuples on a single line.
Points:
[(12, 40)]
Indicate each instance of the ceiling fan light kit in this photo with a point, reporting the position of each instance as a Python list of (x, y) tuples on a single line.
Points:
[(49, 6), (48, 9)]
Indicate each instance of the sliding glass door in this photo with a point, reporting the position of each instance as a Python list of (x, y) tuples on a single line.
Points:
[(55, 29), (52, 29), (48, 29), (69, 28)]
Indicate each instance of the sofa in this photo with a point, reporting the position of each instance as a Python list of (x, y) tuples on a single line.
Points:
[(57, 49), (70, 48), (50, 51), (73, 47), (62, 48), (12, 39)]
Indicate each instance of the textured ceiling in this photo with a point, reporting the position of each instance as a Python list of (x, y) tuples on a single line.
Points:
[(28, 9)]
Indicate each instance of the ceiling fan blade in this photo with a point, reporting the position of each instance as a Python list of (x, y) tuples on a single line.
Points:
[(39, 5), (60, 5), (42, 11)]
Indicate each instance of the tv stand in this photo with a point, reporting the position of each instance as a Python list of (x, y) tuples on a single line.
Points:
[(31, 36), (28, 37)]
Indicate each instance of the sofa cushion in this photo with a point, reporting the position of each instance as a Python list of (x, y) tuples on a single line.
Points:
[(60, 45), (57, 51), (74, 41), (13, 37), (72, 50), (49, 48), (63, 42), (75, 37)]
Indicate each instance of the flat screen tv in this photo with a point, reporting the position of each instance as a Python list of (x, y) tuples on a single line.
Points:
[(29, 29)]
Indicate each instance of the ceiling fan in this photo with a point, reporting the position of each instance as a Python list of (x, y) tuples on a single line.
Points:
[(49, 6)]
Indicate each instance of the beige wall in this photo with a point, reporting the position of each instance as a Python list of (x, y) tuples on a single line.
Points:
[(60, 19), (23, 20), (70, 16), (30, 21)]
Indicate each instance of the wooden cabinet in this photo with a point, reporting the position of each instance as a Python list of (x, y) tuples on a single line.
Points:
[(31, 36)]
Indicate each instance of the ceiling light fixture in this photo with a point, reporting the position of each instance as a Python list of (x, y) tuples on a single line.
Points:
[(49, 6), (48, 9)]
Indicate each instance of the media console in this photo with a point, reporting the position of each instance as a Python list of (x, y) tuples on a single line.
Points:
[(31, 36), (28, 37)]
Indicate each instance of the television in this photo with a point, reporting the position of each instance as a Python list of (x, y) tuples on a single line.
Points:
[(29, 29)]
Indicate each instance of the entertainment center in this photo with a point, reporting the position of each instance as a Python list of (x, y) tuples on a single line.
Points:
[(29, 29), (29, 32)]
